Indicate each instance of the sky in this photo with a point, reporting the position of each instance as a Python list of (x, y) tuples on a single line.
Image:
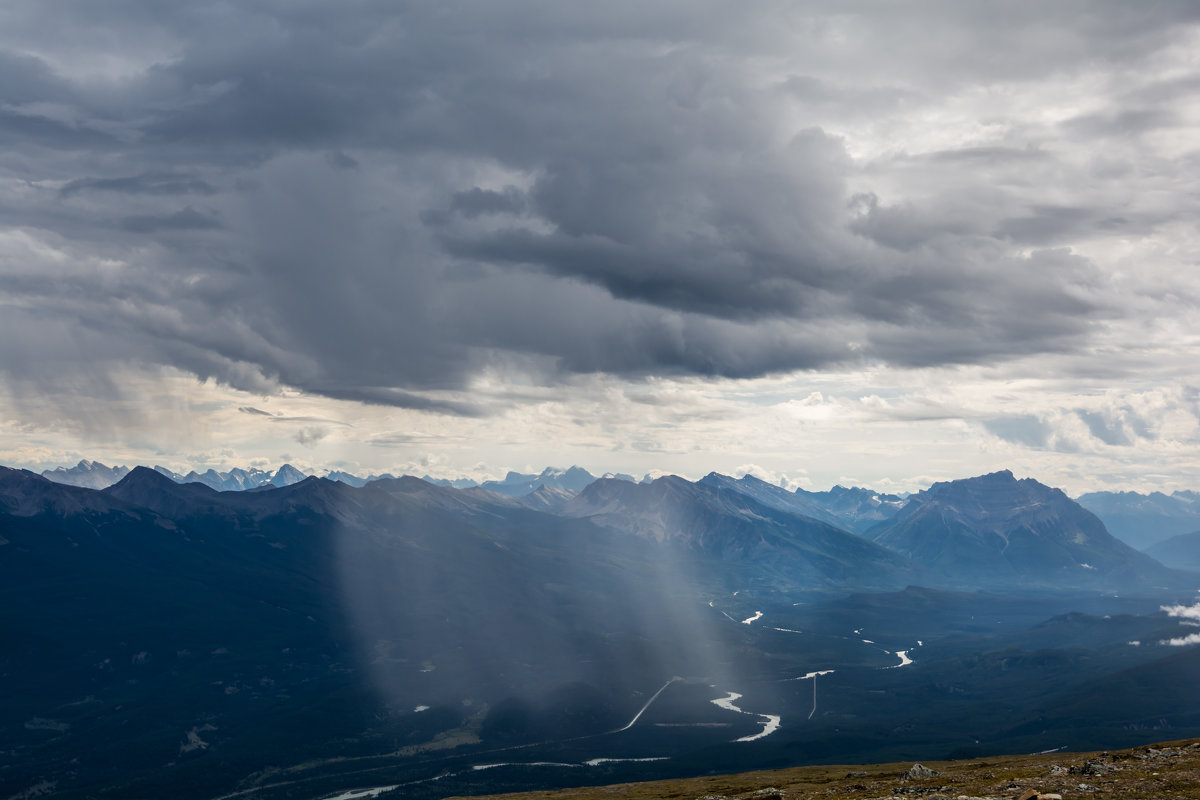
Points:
[(866, 243)]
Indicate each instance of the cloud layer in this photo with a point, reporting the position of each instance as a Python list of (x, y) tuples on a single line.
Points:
[(395, 203)]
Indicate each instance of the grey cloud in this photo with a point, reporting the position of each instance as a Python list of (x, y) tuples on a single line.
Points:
[(579, 327), (1105, 429), (302, 418), (153, 184), (25, 79), (342, 161), (186, 219), (281, 417), (975, 156), (873, 99), (677, 280), (400, 198), (1027, 430), (310, 436), (1046, 224), (387, 396), (902, 227), (476, 201), (1130, 122), (404, 439), (25, 128), (1163, 92)]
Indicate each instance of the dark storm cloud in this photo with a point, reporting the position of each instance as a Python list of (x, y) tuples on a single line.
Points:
[(387, 396), (478, 201), (186, 219), (31, 129), (398, 197), (160, 184)]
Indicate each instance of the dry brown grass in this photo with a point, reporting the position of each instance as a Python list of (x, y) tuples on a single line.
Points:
[(1169, 771)]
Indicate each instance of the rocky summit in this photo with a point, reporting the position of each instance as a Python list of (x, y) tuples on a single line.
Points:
[(997, 531)]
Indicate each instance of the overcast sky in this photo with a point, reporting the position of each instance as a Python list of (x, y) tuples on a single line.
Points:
[(871, 243)]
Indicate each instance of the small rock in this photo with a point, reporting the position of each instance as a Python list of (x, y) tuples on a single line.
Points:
[(856, 774), (1049, 796), (1093, 766), (1055, 769), (1028, 794), (1086, 787), (920, 790), (918, 772)]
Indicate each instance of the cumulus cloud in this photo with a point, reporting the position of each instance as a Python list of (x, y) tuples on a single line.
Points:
[(1183, 641), (1115, 420), (1189, 615), (1183, 612)]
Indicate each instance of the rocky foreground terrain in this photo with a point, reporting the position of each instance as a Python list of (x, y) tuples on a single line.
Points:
[(1169, 771)]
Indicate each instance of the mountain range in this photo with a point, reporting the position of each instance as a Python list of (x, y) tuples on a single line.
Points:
[(94, 475), (89, 474), (990, 531), (1181, 552), (996, 531), (164, 638), (1139, 520), (1142, 520)]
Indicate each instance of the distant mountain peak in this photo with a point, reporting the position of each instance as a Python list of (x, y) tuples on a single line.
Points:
[(286, 476), (1144, 520), (712, 517), (516, 484), (148, 487), (145, 476), (87, 473), (748, 478), (994, 530)]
